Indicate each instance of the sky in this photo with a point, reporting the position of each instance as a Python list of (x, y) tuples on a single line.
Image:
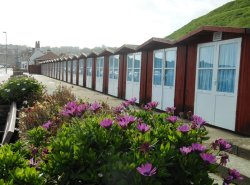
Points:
[(90, 23)]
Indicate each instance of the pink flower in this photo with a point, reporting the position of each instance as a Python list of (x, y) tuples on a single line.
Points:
[(142, 127), (224, 159), (118, 109), (170, 110), (132, 101), (95, 107), (146, 169), (186, 150), (184, 128), (151, 105), (222, 144), (208, 158), (172, 119), (106, 123), (47, 125), (197, 147), (197, 121)]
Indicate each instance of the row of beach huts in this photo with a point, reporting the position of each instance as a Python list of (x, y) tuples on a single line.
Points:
[(206, 72)]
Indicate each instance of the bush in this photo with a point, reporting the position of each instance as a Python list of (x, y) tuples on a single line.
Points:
[(122, 145), (48, 109), (21, 89)]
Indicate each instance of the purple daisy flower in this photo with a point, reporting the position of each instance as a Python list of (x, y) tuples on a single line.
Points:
[(95, 107), (172, 119), (208, 158), (235, 174), (146, 169), (106, 123), (184, 128), (132, 101), (186, 150), (123, 124), (33, 162), (142, 127), (47, 125), (197, 147), (197, 121), (170, 110), (118, 109), (222, 144)]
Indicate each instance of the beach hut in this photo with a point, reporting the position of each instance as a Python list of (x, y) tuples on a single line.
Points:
[(104, 75), (129, 72), (163, 73), (69, 69), (74, 69), (217, 76), (90, 70), (82, 69)]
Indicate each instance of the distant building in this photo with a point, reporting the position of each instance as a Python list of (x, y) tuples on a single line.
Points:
[(24, 65), (35, 54), (38, 55), (48, 56)]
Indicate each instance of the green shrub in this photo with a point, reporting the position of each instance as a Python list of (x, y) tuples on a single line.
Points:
[(21, 89)]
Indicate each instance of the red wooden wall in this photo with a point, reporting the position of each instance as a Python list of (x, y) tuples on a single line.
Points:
[(105, 74), (143, 80), (149, 76), (84, 72), (93, 72), (180, 78), (243, 103)]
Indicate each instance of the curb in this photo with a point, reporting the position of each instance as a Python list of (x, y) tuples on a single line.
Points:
[(240, 152), (223, 172)]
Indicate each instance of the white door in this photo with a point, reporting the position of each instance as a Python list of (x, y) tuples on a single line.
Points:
[(113, 75), (64, 71), (133, 76), (74, 71), (217, 82), (81, 72), (69, 71), (163, 83), (89, 73), (99, 74)]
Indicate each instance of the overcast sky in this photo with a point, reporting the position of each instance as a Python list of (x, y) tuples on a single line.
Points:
[(89, 23)]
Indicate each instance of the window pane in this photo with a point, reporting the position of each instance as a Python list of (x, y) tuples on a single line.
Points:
[(129, 74), (205, 79), (169, 77), (136, 75), (130, 61), (206, 57), (157, 76), (158, 58), (101, 72), (170, 59), (111, 75), (226, 80), (137, 61), (110, 62), (116, 63), (227, 54), (116, 73)]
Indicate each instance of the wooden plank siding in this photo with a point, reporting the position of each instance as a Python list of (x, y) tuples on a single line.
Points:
[(77, 71), (105, 74), (93, 72), (66, 70), (149, 77), (143, 77), (124, 76), (84, 72), (180, 78), (190, 77), (243, 101), (121, 76)]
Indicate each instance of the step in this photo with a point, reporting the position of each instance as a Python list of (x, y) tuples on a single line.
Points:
[(240, 164)]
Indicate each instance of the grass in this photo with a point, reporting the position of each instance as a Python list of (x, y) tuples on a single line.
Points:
[(232, 14)]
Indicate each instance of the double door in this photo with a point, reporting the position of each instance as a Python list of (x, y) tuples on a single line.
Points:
[(99, 74), (133, 76), (113, 75), (217, 73), (163, 83)]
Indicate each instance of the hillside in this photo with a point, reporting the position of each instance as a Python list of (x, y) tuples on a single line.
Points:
[(232, 14)]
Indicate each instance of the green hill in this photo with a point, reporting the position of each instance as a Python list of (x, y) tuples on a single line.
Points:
[(232, 14)]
